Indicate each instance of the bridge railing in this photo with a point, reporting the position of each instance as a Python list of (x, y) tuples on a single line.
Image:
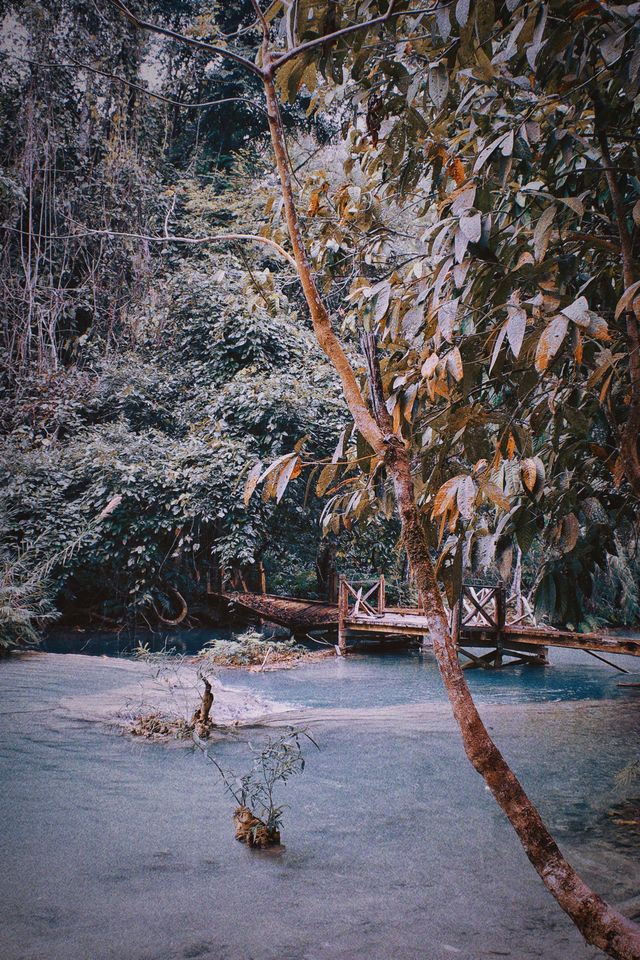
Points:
[(365, 598)]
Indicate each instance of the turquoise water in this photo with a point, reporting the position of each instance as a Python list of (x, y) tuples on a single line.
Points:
[(115, 849), (412, 677)]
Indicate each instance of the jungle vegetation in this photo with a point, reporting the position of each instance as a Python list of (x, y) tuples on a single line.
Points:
[(108, 385), (441, 202)]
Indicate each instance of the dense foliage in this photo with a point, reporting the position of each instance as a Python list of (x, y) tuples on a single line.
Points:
[(152, 374), (466, 173), (485, 227)]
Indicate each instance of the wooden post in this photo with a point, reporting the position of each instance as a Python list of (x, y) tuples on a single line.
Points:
[(263, 577), (381, 594), (343, 605), (500, 596)]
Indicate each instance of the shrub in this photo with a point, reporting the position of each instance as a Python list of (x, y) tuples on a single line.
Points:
[(249, 648)]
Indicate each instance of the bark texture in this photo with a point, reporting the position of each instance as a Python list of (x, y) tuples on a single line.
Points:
[(599, 923), (319, 313)]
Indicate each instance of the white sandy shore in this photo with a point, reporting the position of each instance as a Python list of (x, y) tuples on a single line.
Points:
[(125, 689)]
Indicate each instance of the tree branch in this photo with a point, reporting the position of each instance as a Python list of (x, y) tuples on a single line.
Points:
[(319, 313), (331, 38), (191, 41), (192, 241), (136, 86)]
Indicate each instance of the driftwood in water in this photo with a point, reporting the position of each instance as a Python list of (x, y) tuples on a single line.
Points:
[(253, 831), (200, 720), (292, 612)]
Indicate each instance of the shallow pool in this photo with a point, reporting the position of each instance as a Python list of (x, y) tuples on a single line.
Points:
[(114, 849)]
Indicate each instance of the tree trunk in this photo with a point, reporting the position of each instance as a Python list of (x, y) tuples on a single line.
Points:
[(600, 924)]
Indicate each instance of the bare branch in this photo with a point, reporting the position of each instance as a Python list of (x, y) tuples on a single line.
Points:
[(136, 86), (191, 41), (191, 241), (331, 38), (261, 17)]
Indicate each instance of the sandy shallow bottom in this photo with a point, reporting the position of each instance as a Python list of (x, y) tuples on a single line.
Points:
[(117, 849)]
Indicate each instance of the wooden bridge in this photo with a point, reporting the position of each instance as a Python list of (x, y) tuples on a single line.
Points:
[(482, 619)]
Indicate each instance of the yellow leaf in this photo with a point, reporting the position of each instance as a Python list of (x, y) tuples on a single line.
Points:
[(569, 532), (429, 366), (605, 387), (579, 347), (511, 446), (285, 475), (551, 341), (456, 169), (627, 298), (491, 491), (443, 521), (445, 496), (441, 388), (314, 204), (454, 364), (326, 478)]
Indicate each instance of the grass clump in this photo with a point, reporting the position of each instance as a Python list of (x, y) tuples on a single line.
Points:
[(251, 649)]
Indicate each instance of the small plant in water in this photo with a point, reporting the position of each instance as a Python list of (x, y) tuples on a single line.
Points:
[(258, 817)]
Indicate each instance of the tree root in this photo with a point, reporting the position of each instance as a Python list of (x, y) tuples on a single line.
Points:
[(183, 609)]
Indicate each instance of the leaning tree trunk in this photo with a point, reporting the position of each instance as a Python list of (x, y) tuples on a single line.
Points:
[(599, 923)]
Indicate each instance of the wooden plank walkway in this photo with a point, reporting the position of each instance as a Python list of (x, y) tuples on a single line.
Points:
[(292, 612), (479, 621)]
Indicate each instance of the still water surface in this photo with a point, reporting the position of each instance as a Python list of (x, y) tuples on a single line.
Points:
[(114, 849)]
